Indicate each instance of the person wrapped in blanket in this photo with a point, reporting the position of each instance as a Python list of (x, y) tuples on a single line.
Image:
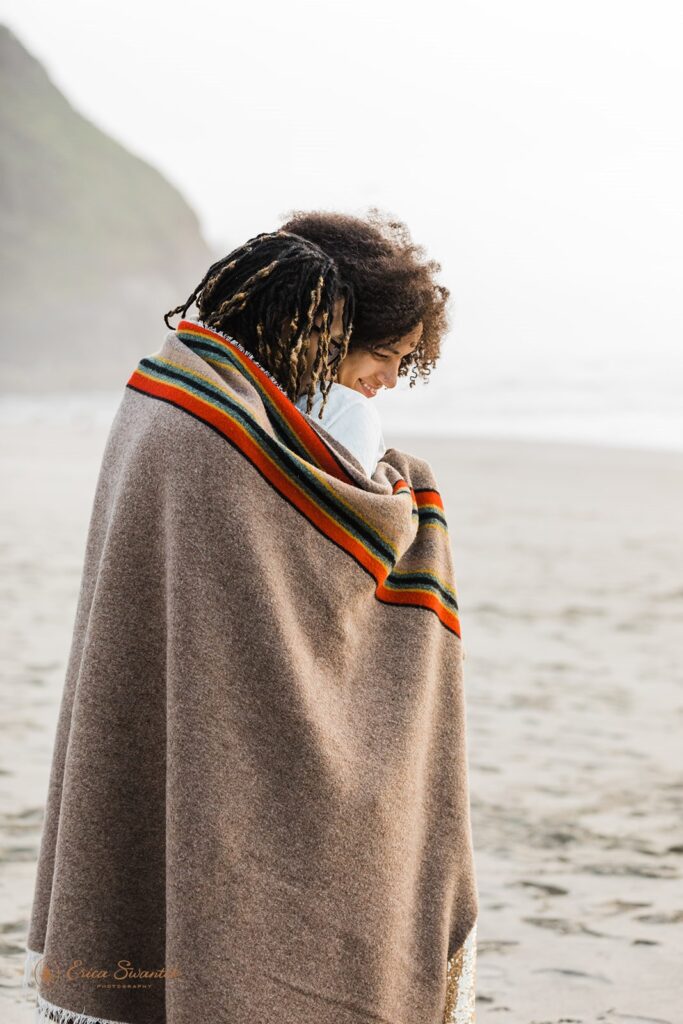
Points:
[(400, 318)]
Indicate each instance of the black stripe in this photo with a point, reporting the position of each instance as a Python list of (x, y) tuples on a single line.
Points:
[(408, 579)]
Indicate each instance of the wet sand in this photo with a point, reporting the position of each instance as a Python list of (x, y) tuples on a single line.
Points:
[(569, 574)]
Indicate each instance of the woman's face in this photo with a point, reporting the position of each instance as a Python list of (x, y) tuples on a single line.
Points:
[(368, 371), (363, 370)]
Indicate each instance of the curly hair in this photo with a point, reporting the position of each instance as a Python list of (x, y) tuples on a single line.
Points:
[(393, 281), (277, 280)]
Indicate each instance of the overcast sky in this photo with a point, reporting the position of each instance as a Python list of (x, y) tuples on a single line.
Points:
[(535, 148)]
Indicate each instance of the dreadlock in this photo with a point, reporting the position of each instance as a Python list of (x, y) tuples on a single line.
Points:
[(267, 294)]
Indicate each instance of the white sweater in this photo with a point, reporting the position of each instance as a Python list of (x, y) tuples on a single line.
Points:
[(353, 420)]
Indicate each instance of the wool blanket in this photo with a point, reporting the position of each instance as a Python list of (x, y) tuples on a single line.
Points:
[(258, 803)]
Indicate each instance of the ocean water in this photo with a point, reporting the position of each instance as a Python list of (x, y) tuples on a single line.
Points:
[(619, 403), (634, 405)]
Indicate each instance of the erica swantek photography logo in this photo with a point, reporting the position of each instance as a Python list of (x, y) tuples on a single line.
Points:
[(123, 974)]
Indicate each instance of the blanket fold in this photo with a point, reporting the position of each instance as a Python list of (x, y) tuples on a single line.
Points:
[(258, 804)]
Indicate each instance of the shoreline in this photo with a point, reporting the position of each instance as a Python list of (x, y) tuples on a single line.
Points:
[(97, 409)]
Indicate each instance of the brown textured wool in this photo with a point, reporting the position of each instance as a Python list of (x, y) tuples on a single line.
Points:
[(259, 782)]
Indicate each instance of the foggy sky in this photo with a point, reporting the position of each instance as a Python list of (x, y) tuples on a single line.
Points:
[(534, 148)]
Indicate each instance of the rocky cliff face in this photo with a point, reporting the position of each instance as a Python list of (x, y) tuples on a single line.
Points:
[(95, 245)]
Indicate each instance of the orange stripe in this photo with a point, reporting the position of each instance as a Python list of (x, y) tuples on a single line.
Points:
[(425, 599), (429, 498)]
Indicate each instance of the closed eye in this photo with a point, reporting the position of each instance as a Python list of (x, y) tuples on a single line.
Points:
[(404, 359)]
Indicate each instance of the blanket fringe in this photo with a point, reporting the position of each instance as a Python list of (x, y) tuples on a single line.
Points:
[(49, 1012), (240, 346), (460, 989), (31, 958)]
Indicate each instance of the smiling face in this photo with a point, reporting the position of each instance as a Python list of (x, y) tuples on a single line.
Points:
[(368, 371), (365, 370)]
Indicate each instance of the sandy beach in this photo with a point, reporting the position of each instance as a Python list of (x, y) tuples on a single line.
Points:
[(570, 582)]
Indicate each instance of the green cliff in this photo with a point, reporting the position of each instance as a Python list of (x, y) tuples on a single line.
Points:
[(95, 245)]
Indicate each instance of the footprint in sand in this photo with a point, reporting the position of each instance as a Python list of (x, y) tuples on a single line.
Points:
[(495, 946), (564, 927), (675, 917), (621, 906), (572, 973), (636, 1018), (546, 889)]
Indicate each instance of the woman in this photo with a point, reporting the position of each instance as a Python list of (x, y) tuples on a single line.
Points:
[(258, 800), (399, 322), (349, 414)]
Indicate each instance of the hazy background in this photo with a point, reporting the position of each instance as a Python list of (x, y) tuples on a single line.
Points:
[(534, 148)]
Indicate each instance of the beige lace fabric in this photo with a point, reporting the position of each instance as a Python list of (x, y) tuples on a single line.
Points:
[(460, 988)]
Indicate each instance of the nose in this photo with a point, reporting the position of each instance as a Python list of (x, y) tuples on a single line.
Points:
[(389, 376)]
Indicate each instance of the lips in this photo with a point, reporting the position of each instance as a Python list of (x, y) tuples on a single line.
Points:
[(368, 391)]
